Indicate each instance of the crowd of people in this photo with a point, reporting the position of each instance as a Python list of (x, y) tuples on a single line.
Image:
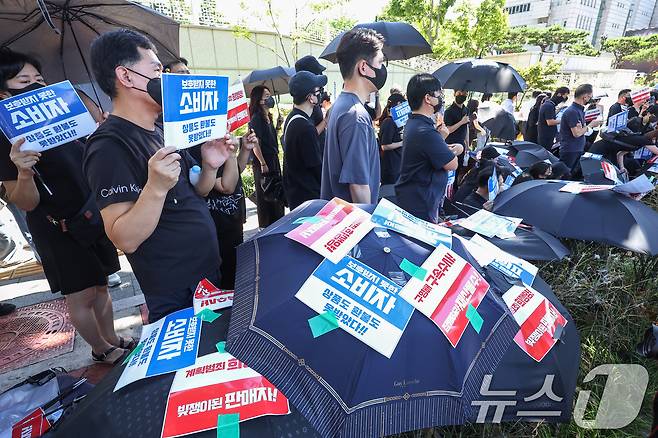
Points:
[(123, 188)]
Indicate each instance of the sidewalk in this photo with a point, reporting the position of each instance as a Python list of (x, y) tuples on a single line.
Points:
[(127, 299)]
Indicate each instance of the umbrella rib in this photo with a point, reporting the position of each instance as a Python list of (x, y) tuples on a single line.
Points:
[(84, 63), (20, 35)]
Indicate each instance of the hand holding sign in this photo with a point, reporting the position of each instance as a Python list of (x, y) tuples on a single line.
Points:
[(164, 170), (24, 161), (214, 153), (250, 141)]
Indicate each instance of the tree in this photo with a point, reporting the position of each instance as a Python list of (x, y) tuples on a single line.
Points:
[(622, 48), (428, 16), (540, 76), (565, 37), (582, 48), (513, 41)]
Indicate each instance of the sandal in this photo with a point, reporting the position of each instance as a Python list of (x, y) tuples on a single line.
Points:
[(109, 357), (128, 345)]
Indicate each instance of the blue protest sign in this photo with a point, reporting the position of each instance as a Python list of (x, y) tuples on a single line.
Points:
[(493, 185), (169, 344), (47, 117), (618, 121), (400, 114), (194, 109), (366, 303)]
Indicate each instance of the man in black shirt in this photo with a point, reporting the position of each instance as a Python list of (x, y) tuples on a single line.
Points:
[(302, 155), (456, 119), (479, 198), (150, 209), (621, 105), (310, 63), (547, 122)]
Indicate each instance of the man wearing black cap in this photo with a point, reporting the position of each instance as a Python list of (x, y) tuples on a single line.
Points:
[(310, 63), (302, 156)]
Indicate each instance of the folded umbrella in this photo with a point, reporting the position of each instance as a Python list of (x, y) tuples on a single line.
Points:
[(341, 385), (402, 41), (480, 75), (604, 216), (275, 78)]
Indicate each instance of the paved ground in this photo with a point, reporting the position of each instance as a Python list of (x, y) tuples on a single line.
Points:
[(127, 317)]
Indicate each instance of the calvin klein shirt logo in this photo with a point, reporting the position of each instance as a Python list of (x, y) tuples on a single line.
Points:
[(115, 190)]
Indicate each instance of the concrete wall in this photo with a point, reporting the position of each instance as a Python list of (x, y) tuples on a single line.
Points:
[(219, 51)]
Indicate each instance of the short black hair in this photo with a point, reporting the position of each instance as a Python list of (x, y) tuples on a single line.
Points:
[(489, 153), (356, 45), (539, 169), (561, 171), (512, 94), (11, 63), (622, 92), (486, 97), (326, 97), (583, 89), (113, 49), (535, 94), (420, 85), (168, 67), (562, 90)]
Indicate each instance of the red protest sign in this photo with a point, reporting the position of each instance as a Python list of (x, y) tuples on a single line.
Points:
[(640, 95), (592, 114), (218, 384), (537, 318), (33, 425), (238, 107), (207, 295)]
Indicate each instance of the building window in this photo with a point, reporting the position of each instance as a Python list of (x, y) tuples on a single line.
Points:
[(517, 9)]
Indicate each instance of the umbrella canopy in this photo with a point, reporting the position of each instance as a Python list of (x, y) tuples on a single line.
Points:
[(525, 158), (604, 216), (275, 78), (402, 41), (59, 33), (481, 75), (522, 145), (594, 172), (341, 385)]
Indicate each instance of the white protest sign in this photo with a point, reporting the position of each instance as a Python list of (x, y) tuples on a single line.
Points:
[(209, 296), (490, 224), (504, 262)]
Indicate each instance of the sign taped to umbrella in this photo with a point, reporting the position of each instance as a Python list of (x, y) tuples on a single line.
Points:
[(450, 284), (538, 320), (486, 253), (367, 304), (209, 296), (334, 230), (490, 224), (238, 106), (167, 345), (46, 118), (218, 384), (389, 215), (194, 109)]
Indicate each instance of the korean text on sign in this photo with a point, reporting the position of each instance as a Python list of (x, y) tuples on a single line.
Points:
[(366, 303), (209, 296), (46, 118), (449, 286), (238, 107), (400, 114), (194, 109)]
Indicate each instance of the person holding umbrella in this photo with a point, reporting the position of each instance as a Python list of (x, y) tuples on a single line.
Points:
[(351, 168), (51, 188), (573, 127)]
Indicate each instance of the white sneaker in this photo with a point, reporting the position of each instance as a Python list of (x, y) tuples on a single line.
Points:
[(113, 280)]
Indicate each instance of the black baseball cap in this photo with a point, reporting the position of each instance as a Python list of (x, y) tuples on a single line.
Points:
[(304, 82), (309, 63)]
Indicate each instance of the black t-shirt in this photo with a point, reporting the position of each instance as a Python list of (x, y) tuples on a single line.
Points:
[(182, 249), (615, 108), (302, 159), (632, 113), (451, 117), (474, 200), (267, 140), (392, 159), (61, 170), (545, 133), (317, 117), (220, 204)]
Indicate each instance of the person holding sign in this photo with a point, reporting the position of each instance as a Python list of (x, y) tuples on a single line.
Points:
[(150, 208), (480, 197), (63, 219), (390, 141), (426, 157), (573, 127)]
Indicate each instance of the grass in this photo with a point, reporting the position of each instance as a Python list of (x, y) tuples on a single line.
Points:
[(612, 295)]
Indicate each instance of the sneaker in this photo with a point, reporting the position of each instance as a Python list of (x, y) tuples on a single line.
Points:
[(6, 309), (113, 280)]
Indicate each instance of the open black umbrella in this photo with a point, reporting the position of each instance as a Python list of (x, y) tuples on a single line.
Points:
[(604, 216), (481, 75), (596, 171), (402, 41), (525, 158), (275, 78)]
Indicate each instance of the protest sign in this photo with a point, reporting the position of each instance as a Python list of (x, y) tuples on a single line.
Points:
[(400, 114), (638, 186), (538, 320), (618, 121), (209, 296), (335, 229), (448, 286), (167, 345), (238, 107), (592, 156), (576, 187), (46, 118), (492, 185), (502, 261), (490, 224), (450, 185), (610, 172), (194, 109), (653, 168), (33, 425), (366, 303), (640, 95), (591, 115), (218, 384), (389, 215)]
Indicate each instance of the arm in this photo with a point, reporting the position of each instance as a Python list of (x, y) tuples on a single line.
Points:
[(229, 180), (452, 164), (579, 130), (256, 126), (360, 193), (214, 153), (459, 124), (620, 160), (552, 122), (320, 127), (247, 144), (23, 191), (392, 146)]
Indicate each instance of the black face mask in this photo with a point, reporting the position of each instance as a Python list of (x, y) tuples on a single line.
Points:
[(153, 87), (371, 111), (629, 101), (380, 76), (460, 99), (269, 102), (558, 99), (33, 86)]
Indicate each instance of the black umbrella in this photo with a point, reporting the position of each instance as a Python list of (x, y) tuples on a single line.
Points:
[(604, 216), (481, 75), (527, 158), (402, 41), (594, 170), (521, 145), (275, 78)]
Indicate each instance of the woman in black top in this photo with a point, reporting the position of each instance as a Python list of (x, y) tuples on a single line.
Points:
[(531, 133), (267, 154), (390, 142), (51, 188)]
